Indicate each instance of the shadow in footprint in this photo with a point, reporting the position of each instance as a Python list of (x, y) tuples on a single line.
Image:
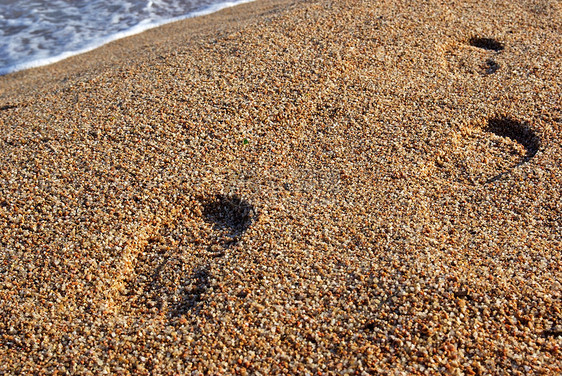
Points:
[(491, 66), (517, 132), (191, 297), (7, 107), (486, 44), (230, 216), (555, 331)]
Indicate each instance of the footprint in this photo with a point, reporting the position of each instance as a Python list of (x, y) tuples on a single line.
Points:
[(475, 56), (484, 154), (173, 269)]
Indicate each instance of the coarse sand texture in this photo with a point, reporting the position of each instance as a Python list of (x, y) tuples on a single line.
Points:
[(287, 188)]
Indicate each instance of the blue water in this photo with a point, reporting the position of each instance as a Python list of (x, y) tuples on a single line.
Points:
[(40, 32)]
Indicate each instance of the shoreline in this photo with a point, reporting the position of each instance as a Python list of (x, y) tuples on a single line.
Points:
[(137, 29), (290, 187), (128, 48)]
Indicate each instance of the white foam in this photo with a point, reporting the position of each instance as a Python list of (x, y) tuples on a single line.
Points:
[(41, 58)]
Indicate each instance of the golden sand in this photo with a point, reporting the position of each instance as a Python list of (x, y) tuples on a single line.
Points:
[(290, 187)]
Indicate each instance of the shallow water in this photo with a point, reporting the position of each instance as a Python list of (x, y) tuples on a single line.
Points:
[(40, 32)]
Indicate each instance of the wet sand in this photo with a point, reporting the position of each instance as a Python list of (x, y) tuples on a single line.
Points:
[(289, 187)]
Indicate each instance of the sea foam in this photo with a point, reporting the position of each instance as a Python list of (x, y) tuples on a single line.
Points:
[(34, 33)]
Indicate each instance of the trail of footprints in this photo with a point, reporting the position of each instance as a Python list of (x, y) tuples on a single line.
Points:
[(172, 272), (485, 154), (168, 276)]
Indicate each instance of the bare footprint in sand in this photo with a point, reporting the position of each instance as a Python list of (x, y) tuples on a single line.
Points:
[(486, 153), (172, 269), (476, 55)]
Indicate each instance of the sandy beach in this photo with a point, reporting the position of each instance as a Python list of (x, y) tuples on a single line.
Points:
[(290, 188)]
